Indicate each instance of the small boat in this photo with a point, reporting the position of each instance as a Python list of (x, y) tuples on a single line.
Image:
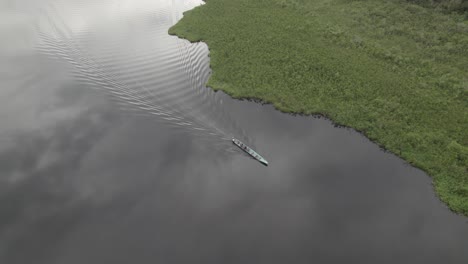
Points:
[(249, 151)]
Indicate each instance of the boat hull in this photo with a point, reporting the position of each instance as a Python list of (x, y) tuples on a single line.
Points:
[(250, 151)]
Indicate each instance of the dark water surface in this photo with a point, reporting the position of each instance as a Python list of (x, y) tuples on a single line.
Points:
[(113, 151)]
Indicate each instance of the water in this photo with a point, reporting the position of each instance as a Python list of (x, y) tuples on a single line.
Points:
[(130, 55), (113, 151)]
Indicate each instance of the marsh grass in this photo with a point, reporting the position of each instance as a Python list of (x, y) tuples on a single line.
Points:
[(394, 70)]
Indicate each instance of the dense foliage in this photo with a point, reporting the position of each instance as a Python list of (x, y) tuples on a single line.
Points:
[(394, 70), (451, 5)]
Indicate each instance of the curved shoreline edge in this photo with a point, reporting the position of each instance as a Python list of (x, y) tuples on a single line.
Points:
[(412, 113)]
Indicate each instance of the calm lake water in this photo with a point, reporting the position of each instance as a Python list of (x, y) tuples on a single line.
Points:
[(113, 151)]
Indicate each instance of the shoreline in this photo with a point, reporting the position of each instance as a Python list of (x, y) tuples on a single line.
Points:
[(449, 182)]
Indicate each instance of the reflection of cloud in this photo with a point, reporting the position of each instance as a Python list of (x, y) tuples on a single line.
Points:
[(81, 16), (49, 125), (64, 153), (29, 98), (82, 184), (17, 32)]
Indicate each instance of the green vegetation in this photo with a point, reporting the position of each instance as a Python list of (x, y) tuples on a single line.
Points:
[(396, 71), (452, 5)]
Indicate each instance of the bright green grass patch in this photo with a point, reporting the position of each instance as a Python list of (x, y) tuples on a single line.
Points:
[(398, 72)]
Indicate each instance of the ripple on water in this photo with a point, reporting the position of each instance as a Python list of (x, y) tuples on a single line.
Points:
[(130, 55)]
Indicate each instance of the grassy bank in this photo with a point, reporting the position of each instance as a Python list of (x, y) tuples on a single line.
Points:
[(450, 5), (396, 71)]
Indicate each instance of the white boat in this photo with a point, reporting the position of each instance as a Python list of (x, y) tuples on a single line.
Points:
[(249, 151)]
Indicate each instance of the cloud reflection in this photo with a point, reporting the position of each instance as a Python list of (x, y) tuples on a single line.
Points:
[(82, 182)]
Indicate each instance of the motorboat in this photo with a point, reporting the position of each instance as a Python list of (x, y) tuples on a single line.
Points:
[(249, 151)]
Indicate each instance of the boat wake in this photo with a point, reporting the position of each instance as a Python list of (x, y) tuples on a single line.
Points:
[(122, 47)]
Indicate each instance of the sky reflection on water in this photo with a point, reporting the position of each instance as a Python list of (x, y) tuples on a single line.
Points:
[(82, 181)]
